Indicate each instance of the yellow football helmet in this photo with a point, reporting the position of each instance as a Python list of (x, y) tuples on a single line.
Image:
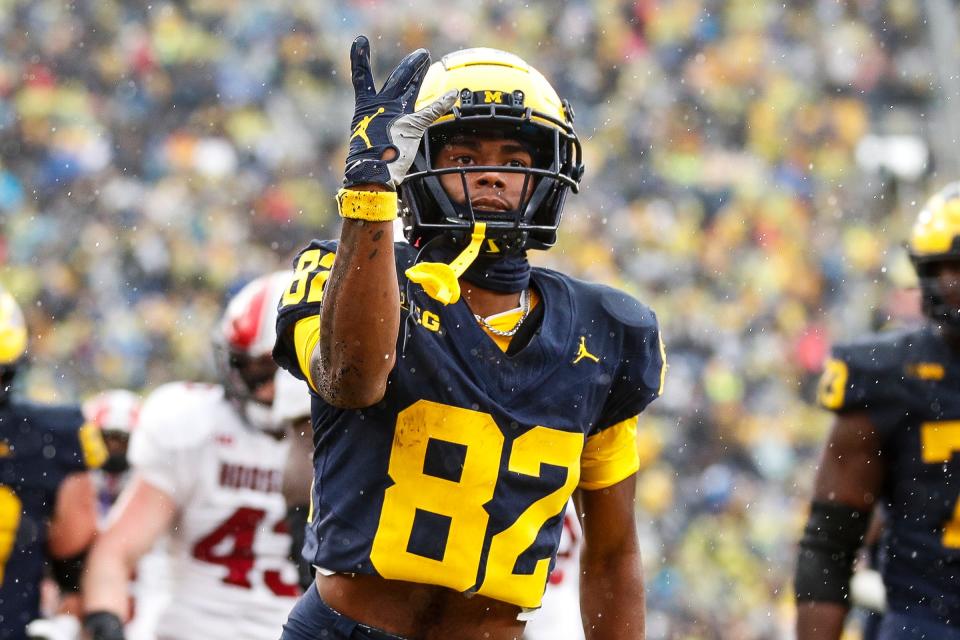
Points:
[(13, 340), (935, 238), (501, 95)]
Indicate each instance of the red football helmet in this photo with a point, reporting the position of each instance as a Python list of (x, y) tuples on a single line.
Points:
[(243, 343)]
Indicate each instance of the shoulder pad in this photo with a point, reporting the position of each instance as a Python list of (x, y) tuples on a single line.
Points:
[(53, 417), (626, 309), (594, 299), (312, 268), (177, 414), (641, 334), (864, 372), (78, 445), (632, 334)]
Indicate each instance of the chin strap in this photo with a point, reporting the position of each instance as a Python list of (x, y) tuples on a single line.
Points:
[(439, 280)]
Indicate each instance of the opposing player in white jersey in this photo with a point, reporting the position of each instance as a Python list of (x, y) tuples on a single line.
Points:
[(208, 463), (117, 413), (558, 617)]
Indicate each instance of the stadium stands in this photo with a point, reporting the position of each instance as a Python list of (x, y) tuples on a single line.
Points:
[(155, 156)]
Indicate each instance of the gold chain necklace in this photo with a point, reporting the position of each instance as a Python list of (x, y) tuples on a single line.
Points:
[(524, 306)]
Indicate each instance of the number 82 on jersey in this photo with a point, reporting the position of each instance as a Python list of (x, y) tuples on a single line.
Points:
[(461, 502)]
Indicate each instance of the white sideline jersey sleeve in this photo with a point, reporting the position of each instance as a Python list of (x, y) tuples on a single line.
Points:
[(231, 578)]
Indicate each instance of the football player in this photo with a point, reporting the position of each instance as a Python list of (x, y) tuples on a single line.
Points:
[(462, 396), (895, 442), (48, 506), (207, 464), (115, 412)]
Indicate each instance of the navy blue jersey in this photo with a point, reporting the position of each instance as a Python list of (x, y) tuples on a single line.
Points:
[(39, 447), (460, 475), (909, 384)]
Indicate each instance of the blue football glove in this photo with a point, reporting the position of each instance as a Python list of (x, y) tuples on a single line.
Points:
[(385, 132)]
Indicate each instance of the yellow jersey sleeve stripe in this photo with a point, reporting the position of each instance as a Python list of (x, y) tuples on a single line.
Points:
[(610, 456), (663, 363), (306, 335)]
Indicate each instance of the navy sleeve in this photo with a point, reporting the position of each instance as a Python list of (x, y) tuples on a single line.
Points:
[(639, 377), (865, 376), (75, 444), (302, 298)]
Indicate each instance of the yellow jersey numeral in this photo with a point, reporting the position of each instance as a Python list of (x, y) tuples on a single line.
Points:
[(462, 501), (832, 388), (938, 442), (307, 280), (538, 446)]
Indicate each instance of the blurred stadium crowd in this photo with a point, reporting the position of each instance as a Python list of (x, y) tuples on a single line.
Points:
[(154, 156)]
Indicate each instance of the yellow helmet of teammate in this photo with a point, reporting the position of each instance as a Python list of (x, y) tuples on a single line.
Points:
[(502, 96), (935, 239), (13, 340)]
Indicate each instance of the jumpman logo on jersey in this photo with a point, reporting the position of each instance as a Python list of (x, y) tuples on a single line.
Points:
[(583, 353), (361, 128)]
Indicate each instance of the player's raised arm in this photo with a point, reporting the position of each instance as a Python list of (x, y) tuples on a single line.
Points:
[(360, 317)]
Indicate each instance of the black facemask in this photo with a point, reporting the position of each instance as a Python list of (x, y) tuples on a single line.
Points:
[(116, 463)]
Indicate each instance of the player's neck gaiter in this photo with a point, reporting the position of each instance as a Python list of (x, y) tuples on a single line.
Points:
[(509, 274)]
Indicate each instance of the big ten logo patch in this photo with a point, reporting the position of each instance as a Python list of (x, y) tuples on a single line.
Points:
[(426, 319)]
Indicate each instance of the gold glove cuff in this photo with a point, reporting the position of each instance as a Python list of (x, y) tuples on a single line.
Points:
[(372, 206)]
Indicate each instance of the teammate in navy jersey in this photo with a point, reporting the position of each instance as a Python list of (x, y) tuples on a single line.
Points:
[(460, 396), (895, 442), (48, 508)]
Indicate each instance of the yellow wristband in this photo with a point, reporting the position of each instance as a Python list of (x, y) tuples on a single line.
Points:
[(373, 206)]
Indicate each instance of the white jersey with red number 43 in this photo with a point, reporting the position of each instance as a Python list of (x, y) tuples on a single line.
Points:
[(558, 617), (231, 575)]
